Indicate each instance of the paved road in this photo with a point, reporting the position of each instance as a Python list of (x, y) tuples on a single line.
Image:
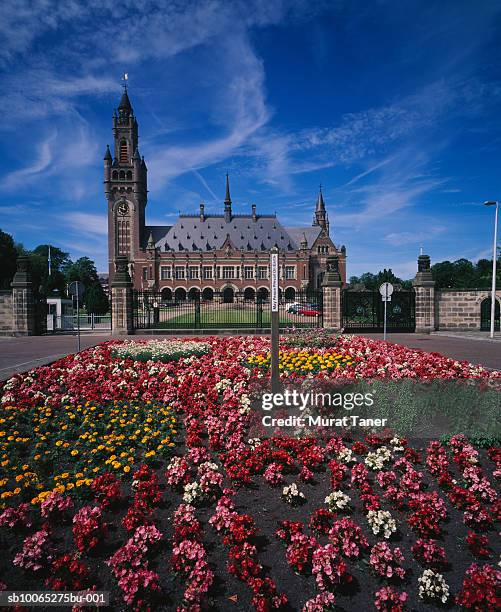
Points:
[(22, 354), (475, 350)]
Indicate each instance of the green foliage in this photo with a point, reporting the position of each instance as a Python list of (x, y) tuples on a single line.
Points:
[(310, 338), (84, 270), (95, 299), (8, 259), (434, 408), (374, 281), (463, 274), (55, 283)]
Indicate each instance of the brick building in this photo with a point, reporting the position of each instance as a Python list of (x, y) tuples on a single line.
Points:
[(203, 253)]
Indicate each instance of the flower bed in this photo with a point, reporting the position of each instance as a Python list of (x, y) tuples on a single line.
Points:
[(159, 350), (206, 517)]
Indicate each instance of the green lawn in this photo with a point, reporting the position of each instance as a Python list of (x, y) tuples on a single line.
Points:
[(232, 317)]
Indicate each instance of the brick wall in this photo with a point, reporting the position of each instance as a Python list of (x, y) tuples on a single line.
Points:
[(459, 309), (6, 316)]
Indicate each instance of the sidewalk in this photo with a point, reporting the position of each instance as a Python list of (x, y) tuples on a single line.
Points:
[(470, 335)]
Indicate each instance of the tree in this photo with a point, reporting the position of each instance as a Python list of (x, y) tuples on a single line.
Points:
[(372, 282), (55, 283), (8, 260), (95, 299), (84, 270)]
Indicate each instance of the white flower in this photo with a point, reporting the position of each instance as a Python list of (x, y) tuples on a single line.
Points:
[(433, 586), (376, 461), (345, 455), (337, 500), (381, 521), (292, 494), (192, 492)]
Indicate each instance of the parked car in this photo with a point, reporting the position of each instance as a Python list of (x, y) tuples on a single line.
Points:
[(307, 311), (293, 308)]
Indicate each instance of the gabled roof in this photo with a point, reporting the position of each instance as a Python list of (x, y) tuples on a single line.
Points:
[(311, 232)]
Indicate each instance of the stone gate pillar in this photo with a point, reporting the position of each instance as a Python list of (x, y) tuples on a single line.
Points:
[(23, 300), (331, 289), (122, 321), (424, 286)]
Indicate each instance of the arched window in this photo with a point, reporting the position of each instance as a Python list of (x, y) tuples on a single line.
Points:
[(166, 294), (228, 295), (115, 175), (207, 294), (123, 153), (263, 294), (180, 294), (129, 175), (122, 174), (485, 315), (290, 294)]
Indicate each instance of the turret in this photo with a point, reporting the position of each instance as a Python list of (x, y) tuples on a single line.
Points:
[(202, 212), (320, 218), (254, 215)]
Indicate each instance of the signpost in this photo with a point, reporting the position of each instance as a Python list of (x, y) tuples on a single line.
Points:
[(386, 289), (275, 372), (76, 290)]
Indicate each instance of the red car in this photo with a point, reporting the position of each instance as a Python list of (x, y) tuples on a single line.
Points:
[(309, 312)]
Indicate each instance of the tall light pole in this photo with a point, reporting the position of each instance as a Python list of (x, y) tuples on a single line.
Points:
[(494, 258)]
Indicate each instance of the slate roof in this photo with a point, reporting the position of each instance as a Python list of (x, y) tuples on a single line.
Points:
[(191, 234)]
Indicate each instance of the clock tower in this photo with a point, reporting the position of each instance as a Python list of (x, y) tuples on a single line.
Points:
[(125, 187)]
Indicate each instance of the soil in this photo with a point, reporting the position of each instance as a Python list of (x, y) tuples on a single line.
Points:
[(265, 505)]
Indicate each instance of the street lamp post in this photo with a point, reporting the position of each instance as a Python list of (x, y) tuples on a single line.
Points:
[(494, 258)]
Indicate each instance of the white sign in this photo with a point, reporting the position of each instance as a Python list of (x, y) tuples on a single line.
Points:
[(274, 282), (386, 290)]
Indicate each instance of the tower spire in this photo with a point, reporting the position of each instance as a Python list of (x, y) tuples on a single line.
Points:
[(320, 217), (227, 201)]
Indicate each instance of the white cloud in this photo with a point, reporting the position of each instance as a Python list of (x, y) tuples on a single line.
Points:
[(39, 164), (402, 238), (87, 223)]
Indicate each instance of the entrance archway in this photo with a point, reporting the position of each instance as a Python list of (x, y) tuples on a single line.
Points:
[(228, 295), (485, 315), (249, 294), (208, 294), (263, 294), (180, 294), (290, 294), (166, 294), (194, 293)]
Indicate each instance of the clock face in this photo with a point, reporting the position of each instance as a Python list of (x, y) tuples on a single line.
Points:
[(123, 208)]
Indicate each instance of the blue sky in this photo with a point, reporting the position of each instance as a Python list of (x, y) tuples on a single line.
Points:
[(392, 105)]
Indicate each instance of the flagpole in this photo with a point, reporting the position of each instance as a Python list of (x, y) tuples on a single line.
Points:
[(50, 263)]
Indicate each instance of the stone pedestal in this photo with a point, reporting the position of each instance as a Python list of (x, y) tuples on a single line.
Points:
[(331, 289), (23, 300), (424, 286), (122, 319)]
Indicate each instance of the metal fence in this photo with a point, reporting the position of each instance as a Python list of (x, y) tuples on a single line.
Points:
[(364, 311), (225, 311), (86, 322)]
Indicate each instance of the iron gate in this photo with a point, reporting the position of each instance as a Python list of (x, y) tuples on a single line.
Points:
[(225, 309), (364, 311), (485, 315)]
